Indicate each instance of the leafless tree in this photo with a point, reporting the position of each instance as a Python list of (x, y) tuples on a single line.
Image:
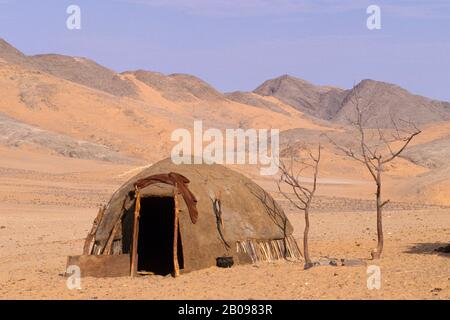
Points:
[(304, 194), (376, 151)]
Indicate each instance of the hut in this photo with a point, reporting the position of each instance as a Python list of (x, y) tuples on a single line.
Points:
[(171, 219)]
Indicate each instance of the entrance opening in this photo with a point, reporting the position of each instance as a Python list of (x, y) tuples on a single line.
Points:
[(156, 233)]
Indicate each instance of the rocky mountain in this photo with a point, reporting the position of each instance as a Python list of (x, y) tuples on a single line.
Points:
[(319, 101), (253, 99), (178, 87), (132, 113), (385, 101), (83, 71), (433, 154), (69, 107), (79, 70), (10, 54)]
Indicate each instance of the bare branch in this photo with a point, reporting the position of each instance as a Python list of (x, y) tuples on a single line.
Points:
[(406, 140), (385, 203)]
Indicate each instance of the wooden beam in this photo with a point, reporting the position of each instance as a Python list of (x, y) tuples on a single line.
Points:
[(109, 244), (175, 238), (134, 255), (90, 236)]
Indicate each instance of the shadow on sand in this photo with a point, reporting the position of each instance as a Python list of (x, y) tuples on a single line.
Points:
[(441, 249)]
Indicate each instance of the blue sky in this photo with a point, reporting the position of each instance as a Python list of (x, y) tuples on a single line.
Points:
[(236, 45)]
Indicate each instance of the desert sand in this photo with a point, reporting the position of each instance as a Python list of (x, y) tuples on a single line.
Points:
[(47, 210)]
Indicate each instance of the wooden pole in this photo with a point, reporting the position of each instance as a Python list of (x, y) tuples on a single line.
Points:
[(90, 237), (176, 265), (137, 210), (108, 247)]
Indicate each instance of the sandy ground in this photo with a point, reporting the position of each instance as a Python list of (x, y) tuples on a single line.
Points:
[(36, 241), (44, 217)]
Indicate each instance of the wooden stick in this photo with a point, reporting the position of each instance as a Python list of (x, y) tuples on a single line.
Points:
[(176, 265), (107, 248), (110, 242), (90, 236), (137, 210)]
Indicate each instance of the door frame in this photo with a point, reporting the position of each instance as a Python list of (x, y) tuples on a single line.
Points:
[(137, 212)]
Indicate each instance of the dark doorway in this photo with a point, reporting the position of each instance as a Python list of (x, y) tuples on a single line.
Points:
[(155, 240)]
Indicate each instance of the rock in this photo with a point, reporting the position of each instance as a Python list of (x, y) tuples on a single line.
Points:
[(333, 263), (325, 261), (445, 249), (352, 262)]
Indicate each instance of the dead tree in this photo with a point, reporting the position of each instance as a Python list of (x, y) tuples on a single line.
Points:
[(304, 194), (376, 151)]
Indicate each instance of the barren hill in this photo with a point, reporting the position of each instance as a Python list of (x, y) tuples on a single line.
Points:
[(10, 54), (333, 104), (64, 107), (83, 71), (20, 135), (391, 101), (79, 70), (253, 100), (434, 154), (76, 108), (178, 87), (318, 101), (69, 96)]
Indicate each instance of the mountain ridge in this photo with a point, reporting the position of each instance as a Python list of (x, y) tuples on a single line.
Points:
[(74, 107), (334, 104), (327, 103)]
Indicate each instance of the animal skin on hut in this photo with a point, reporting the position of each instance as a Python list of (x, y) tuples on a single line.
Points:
[(180, 182)]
